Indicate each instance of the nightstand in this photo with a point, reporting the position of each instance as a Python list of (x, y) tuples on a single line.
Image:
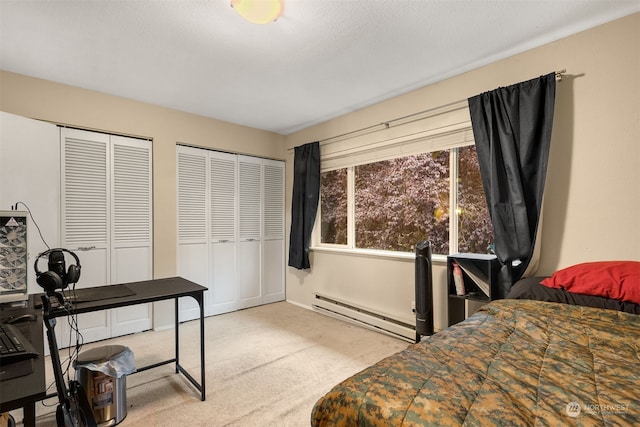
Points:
[(480, 274)]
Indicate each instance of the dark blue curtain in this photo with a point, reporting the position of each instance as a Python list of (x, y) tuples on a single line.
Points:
[(512, 130), (304, 203)]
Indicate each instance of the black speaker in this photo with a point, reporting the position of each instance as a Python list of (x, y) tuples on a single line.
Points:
[(58, 276), (424, 290)]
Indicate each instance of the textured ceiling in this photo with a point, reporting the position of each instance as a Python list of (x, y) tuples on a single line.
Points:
[(321, 59)]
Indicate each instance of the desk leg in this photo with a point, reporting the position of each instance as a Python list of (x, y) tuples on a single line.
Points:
[(199, 297), (29, 414), (177, 338), (202, 392)]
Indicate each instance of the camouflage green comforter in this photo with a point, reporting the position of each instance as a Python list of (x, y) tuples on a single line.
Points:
[(514, 363)]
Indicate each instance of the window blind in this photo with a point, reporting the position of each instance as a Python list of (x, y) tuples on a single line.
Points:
[(438, 130)]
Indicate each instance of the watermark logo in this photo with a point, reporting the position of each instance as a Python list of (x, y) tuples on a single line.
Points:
[(573, 409), (606, 409)]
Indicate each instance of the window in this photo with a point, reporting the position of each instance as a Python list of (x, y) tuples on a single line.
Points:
[(333, 201), (401, 201), (475, 233)]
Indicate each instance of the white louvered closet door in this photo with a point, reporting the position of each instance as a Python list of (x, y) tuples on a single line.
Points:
[(85, 198), (223, 188), (192, 173), (131, 227), (273, 266), (230, 223), (107, 221), (250, 233)]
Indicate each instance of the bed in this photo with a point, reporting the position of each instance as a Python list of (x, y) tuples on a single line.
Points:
[(515, 362)]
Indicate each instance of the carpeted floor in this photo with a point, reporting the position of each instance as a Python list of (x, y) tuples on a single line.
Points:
[(265, 366)]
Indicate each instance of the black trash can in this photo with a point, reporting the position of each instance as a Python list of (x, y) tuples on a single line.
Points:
[(102, 372)]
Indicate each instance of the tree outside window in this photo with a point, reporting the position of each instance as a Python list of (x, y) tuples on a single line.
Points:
[(475, 232), (402, 201), (333, 205)]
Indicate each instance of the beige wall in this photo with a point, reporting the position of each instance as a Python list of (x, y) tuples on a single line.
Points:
[(44, 100), (592, 198)]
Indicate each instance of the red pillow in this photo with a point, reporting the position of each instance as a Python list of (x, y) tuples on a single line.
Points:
[(610, 279)]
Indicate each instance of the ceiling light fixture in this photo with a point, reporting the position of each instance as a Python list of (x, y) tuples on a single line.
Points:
[(259, 11)]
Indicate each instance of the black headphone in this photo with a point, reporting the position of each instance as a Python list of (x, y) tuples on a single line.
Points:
[(58, 277)]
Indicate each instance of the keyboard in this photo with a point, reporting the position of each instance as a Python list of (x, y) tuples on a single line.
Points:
[(14, 346)]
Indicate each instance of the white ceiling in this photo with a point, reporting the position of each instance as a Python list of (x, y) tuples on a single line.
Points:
[(321, 59)]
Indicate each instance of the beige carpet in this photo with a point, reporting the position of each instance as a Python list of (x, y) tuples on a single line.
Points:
[(265, 366)]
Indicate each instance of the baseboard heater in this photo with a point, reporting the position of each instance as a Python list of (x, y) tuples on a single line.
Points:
[(364, 317)]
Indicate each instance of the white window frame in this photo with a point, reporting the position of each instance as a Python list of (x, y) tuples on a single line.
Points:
[(446, 128)]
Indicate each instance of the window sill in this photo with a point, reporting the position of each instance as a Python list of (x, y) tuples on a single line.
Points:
[(373, 253)]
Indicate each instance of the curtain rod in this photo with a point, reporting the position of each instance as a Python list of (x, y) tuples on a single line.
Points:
[(388, 122), (559, 76)]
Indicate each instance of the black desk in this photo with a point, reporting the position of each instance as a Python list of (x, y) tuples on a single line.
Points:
[(25, 391), (145, 292)]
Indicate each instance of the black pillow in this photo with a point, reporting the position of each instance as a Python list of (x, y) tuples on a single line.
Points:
[(530, 288)]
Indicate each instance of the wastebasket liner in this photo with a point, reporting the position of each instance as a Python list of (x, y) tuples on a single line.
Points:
[(116, 366)]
